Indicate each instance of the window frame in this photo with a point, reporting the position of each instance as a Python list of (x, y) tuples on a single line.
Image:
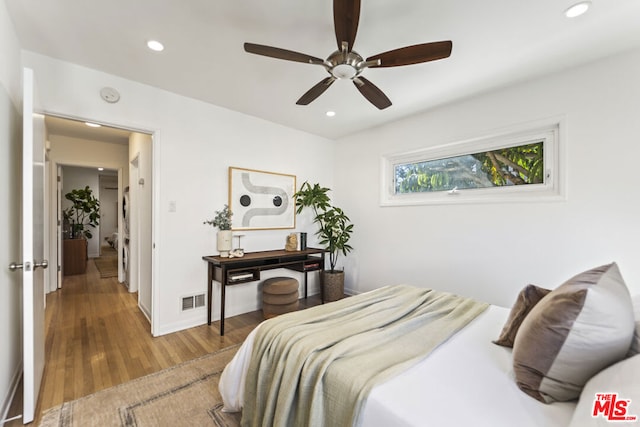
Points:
[(550, 133)]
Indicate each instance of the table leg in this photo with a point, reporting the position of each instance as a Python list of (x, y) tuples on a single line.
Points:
[(223, 285), (209, 292), (321, 278)]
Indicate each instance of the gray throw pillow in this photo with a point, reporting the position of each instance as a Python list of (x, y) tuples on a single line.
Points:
[(528, 297), (578, 329)]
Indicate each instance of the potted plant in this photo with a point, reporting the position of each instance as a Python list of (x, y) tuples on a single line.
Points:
[(222, 220), (83, 213), (334, 232)]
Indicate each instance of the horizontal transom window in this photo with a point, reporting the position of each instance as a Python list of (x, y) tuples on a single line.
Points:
[(517, 166)]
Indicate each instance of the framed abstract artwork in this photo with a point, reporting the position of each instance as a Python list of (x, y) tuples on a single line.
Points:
[(261, 200)]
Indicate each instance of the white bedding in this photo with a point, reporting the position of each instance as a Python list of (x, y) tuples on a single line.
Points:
[(467, 381)]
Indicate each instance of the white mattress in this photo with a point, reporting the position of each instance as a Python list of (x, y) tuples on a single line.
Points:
[(467, 381)]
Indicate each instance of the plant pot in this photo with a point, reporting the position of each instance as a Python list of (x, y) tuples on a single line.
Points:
[(224, 242), (332, 285)]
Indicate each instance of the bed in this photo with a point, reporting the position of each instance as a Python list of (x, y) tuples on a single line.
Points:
[(465, 380)]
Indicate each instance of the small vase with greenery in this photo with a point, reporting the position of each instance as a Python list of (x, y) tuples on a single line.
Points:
[(222, 220), (83, 213), (334, 229)]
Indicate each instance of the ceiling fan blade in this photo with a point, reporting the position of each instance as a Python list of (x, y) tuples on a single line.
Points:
[(276, 52), (316, 91), (413, 54), (372, 93), (346, 14)]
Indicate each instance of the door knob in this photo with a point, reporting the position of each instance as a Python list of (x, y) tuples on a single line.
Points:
[(44, 264), (14, 266)]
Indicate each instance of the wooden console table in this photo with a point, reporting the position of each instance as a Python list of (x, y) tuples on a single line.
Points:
[(233, 271), (74, 260)]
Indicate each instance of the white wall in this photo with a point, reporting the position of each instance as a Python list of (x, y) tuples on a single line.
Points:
[(141, 209), (194, 143), (10, 185), (10, 69), (490, 251)]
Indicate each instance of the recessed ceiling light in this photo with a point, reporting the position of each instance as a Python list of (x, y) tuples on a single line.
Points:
[(577, 9), (330, 113), (155, 45), (100, 169), (92, 125)]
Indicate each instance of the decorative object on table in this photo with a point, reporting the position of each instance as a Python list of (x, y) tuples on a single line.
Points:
[(292, 243), (334, 232), (261, 200), (303, 241), (84, 212), (222, 220), (237, 252)]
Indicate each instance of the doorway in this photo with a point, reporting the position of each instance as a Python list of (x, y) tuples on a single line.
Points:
[(72, 143)]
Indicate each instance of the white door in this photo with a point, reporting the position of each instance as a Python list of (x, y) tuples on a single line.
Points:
[(59, 227), (33, 262)]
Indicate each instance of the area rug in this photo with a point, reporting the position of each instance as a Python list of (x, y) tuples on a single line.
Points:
[(183, 395), (107, 264)]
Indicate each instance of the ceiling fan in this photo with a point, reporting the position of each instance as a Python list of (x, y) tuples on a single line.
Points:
[(345, 63)]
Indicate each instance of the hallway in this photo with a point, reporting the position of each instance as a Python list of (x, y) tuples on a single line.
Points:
[(97, 338)]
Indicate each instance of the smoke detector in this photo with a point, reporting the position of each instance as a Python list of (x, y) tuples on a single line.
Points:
[(110, 95)]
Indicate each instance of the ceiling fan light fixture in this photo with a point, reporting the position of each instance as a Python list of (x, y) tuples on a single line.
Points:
[(577, 9), (344, 71)]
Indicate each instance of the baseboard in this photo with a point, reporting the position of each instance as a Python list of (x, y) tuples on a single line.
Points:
[(192, 322), (180, 326), (144, 311), (8, 399), (350, 292)]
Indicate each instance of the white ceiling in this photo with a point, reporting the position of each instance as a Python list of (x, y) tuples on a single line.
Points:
[(77, 129), (495, 43)]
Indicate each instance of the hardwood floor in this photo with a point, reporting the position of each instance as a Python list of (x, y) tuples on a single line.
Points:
[(97, 338)]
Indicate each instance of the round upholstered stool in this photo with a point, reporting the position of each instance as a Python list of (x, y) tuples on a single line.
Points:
[(279, 296)]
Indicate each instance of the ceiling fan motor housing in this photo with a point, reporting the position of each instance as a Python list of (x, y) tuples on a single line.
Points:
[(345, 65)]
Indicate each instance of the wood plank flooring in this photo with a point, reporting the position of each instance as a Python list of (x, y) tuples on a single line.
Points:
[(97, 338)]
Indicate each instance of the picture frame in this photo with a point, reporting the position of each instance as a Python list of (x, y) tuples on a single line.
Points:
[(261, 200)]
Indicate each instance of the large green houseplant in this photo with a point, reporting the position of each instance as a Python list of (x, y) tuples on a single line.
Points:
[(334, 232), (84, 212)]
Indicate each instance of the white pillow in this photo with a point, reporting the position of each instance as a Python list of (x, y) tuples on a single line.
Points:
[(635, 344), (621, 379)]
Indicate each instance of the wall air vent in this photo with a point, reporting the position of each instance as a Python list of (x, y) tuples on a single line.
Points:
[(187, 303), (193, 301), (199, 300)]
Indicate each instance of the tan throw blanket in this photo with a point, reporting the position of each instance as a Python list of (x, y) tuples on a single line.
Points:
[(317, 366)]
